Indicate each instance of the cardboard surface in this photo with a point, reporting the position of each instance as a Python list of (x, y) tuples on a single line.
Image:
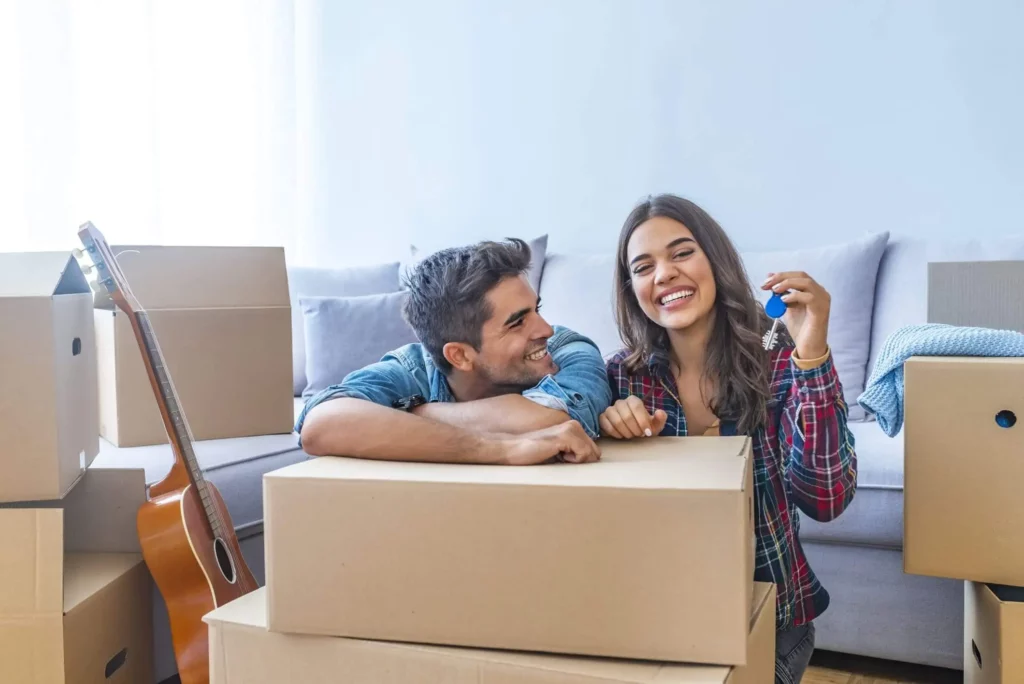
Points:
[(984, 294), (962, 470), (49, 417), (222, 318), (645, 554), (76, 603), (243, 651), (993, 634)]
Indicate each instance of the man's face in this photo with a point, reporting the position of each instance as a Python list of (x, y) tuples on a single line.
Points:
[(513, 352)]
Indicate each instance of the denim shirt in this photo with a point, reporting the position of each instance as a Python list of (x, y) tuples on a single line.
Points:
[(579, 387)]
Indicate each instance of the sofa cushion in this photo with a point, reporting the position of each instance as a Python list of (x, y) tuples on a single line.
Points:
[(875, 516), (848, 272), (577, 292), (901, 293), (538, 252), (330, 282), (344, 334)]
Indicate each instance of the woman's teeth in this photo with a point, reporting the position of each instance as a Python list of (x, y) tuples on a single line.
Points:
[(669, 298)]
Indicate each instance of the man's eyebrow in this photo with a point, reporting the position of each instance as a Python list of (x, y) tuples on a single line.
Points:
[(677, 241), (520, 314)]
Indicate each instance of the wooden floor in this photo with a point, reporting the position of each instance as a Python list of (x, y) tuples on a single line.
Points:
[(837, 668)]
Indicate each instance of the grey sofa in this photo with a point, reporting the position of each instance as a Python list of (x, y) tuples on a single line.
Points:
[(877, 284)]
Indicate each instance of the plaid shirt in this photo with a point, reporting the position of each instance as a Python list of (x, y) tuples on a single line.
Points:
[(804, 458)]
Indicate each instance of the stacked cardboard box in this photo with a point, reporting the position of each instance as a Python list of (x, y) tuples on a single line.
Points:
[(964, 462), (637, 568), (75, 595)]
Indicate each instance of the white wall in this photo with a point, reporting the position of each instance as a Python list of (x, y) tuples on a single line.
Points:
[(479, 119)]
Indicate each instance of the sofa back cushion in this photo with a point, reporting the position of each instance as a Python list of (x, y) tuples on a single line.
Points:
[(576, 292), (901, 293), (848, 272), (330, 282), (344, 334)]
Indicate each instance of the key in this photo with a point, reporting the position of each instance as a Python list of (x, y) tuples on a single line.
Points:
[(775, 308)]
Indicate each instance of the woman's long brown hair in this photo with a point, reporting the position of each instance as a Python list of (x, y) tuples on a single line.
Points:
[(736, 363)]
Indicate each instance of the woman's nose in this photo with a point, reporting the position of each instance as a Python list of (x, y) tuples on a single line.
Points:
[(664, 273)]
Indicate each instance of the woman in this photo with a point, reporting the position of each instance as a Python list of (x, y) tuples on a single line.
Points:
[(694, 364)]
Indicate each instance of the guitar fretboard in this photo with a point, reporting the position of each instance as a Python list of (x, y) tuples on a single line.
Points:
[(182, 433)]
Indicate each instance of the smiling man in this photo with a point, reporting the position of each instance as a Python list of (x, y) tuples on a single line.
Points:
[(490, 381)]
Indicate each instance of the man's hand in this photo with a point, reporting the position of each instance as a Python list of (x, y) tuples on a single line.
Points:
[(566, 441)]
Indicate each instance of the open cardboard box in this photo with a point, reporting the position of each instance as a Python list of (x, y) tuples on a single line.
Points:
[(222, 318), (49, 416), (647, 553), (243, 651), (76, 596)]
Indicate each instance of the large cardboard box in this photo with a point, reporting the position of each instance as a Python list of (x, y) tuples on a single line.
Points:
[(645, 554), (984, 294), (963, 468), (222, 318), (242, 651), (993, 634), (75, 596), (49, 417)]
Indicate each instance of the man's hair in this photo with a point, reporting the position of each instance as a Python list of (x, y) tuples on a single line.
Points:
[(447, 292)]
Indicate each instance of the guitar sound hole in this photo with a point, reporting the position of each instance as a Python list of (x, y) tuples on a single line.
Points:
[(224, 562)]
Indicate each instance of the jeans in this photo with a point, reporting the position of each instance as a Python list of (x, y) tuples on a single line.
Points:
[(793, 648)]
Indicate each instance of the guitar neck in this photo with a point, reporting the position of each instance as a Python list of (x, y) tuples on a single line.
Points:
[(174, 418)]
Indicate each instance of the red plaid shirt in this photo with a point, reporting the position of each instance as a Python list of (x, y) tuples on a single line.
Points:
[(804, 458)]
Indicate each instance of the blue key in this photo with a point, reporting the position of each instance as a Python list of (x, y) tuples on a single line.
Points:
[(775, 308)]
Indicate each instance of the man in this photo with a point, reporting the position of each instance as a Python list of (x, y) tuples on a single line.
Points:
[(489, 382)]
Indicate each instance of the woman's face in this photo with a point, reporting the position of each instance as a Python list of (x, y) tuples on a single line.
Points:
[(670, 273)]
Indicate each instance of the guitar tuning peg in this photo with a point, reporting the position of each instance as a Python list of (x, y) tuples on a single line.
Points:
[(77, 253)]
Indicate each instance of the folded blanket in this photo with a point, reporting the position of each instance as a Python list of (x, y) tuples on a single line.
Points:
[(883, 395)]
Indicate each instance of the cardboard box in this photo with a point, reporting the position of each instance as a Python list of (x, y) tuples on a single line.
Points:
[(993, 634), (985, 294), (223, 322), (645, 554), (49, 417), (76, 597), (242, 651), (963, 468)]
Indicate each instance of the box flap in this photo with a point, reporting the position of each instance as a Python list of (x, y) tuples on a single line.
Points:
[(31, 564), (708, 463), (169, 277), (85, 574), (40, 274), (100, 510)]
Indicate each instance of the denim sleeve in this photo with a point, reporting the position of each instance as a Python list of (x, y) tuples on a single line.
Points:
[(385, 382), (580, 387)]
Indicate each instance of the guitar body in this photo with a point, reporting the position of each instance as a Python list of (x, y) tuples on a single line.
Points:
[(180, 552)]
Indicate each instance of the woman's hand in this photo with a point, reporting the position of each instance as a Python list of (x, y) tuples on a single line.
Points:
[(628, 418), (806, 317)]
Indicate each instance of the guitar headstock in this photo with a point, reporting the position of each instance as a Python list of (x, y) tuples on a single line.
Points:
[(100, 266)]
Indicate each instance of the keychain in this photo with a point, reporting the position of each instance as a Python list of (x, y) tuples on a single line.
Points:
[(775, 308)]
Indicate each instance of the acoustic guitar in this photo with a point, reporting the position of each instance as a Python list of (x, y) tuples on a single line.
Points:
[(187, 538)]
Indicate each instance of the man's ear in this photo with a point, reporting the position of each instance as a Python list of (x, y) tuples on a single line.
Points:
[(460, 355)]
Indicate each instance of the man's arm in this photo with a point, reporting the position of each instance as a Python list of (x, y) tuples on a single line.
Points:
[(510, 414), (355, 427)]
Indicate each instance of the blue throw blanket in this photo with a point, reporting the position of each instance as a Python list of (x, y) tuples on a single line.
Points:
[(883, 395)]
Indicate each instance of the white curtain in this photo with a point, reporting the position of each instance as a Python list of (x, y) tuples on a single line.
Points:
[(161, 121)]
